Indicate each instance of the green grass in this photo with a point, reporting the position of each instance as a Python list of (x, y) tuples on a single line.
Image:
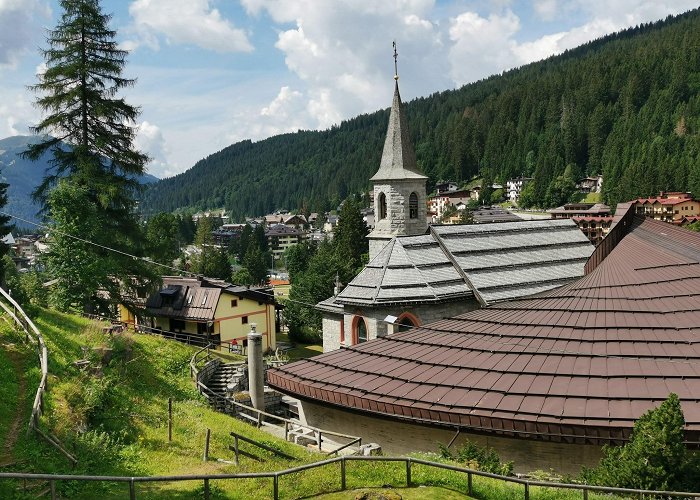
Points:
[(300, 351), (9, 388), (419, 493), (114, 418)]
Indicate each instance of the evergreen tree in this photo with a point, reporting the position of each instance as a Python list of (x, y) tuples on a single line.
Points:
[(163, 238), (78, 93), (255, 262), (5, 228), (210, 261), (350, 237), (655, 458)]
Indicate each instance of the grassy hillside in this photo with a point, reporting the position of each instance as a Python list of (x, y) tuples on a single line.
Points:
[(113, 418)]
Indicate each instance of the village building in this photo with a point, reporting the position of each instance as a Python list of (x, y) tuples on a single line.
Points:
[(515, 187), (201, 310), (571, 210), (417, 274), (281, 236), (593, 184), (438, 203), (545, 380), (669, 207)]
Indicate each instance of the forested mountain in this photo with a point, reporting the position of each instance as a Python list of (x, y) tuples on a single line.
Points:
[(626, 105), (24, 175)]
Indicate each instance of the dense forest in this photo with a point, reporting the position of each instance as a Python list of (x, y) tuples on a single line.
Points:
[(626, 105)]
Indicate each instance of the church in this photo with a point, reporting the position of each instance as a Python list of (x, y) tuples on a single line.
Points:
[(419, 273)]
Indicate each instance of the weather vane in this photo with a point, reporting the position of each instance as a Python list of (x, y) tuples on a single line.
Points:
[(396, 66)]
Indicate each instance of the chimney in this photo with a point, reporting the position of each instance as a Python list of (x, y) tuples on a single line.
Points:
[(256, 370)]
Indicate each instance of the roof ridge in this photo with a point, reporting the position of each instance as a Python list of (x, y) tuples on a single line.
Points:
[(457, 267)]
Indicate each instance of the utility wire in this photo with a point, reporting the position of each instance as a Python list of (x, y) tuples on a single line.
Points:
[(313, 306)]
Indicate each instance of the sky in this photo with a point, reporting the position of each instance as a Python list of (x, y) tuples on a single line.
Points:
[(214, 72)]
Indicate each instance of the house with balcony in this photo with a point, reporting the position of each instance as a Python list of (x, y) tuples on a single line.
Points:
[(668, 207), (201, 310)]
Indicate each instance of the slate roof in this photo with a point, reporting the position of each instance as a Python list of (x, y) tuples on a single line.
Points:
[(485, 215), (398, 157), (576, 364), (492, 261)]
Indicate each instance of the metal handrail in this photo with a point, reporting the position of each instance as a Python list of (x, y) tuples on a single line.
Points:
[(204, 388), (409, 462)]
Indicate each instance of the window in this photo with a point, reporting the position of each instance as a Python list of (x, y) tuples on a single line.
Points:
[(359, 330), (381, 206), (234, 302), (413, 206), (177, 325), (244, 320), (407, 321)]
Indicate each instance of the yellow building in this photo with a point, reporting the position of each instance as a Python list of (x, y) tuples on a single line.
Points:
[(196, 309)]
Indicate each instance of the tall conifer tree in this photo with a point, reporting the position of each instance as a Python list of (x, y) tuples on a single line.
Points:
[(90, 130)]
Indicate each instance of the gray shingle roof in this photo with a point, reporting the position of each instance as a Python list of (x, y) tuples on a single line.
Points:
[(398, 157), (501, 261)]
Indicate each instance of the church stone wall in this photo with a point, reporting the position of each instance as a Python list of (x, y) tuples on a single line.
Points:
[(331, 331), (400, 437)]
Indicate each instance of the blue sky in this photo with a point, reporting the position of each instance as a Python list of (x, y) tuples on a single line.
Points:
[(214, 72)]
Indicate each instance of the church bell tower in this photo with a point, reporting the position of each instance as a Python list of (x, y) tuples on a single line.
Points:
[(399, 187)]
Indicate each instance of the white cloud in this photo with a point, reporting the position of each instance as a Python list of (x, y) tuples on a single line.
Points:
[(192, 22), (19, 26), (481, 46), (342, 51), (149, 139), (546, 9)]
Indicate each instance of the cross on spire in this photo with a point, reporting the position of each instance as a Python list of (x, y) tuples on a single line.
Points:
[(396, 66)]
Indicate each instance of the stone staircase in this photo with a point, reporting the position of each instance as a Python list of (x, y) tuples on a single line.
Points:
[(227, 379)]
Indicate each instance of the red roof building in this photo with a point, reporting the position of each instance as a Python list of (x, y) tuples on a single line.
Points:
[(668, 207), (545, 379)]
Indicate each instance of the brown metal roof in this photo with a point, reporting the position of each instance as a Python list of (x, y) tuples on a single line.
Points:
[(576, 364)]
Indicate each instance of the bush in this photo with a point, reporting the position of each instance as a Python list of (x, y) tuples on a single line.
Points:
[(478, 457), (655, 458)]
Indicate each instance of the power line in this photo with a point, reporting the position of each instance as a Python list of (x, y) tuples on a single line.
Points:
[(99, 245)]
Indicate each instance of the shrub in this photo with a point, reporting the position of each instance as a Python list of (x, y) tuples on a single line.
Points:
[(478, 457)]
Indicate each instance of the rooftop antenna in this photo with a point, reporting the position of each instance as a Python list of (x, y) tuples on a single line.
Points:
[(396, 66)]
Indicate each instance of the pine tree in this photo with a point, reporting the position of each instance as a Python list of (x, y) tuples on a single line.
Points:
[(5, 228), (90, 132)]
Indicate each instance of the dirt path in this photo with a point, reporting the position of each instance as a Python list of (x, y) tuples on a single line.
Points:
[(17, 421)]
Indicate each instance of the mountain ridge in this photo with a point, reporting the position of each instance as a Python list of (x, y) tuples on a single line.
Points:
[(625, 105), (24, 175)]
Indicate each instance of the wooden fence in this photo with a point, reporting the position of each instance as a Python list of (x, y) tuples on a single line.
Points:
[(31, 332), (409, 463)]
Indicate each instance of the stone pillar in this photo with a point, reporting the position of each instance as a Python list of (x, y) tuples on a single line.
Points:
[(256, 370)]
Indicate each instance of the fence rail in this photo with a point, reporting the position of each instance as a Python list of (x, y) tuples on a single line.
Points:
[(31, 331), (275, 476)]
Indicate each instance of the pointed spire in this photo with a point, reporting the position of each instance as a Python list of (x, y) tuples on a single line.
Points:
[(398, 157)]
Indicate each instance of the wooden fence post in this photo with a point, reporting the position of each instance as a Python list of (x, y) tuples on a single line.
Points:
[(343, 483), (206, 488), (527, 491), (275, 487), (170, 419), (235, 447), (206, 446), (408, 472), (470, 491)]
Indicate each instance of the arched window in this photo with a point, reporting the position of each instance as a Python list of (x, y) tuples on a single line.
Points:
[(413, 206), (407, 321), (381, 206), (359, 330)]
